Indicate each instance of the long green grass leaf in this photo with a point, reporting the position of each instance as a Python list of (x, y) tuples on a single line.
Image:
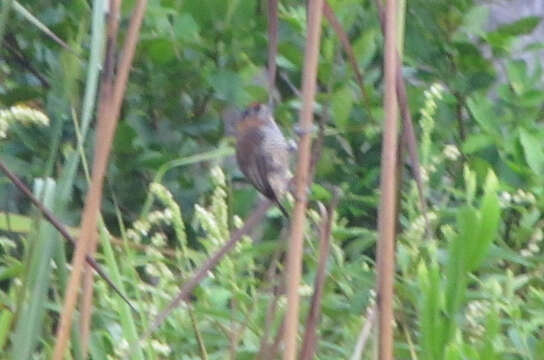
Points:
[(36, 22), (32, 312)]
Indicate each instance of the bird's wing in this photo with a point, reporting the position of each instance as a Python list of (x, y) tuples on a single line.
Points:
[(251, 163), (263, 163)]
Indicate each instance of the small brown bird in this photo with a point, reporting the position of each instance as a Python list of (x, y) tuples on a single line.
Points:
[(262, 153)]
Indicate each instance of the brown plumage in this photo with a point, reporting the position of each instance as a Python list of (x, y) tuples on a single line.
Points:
[(262, 153)]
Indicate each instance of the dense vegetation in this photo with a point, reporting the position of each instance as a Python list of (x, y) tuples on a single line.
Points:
[(470, 288)]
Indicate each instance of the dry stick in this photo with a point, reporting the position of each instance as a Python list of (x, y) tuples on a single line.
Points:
[(105, 132), (10, 42), (294, 259), (276, 345), (187, 288), (270, 314), (271, 278), (272, 44), (407, 124), (328, 12), (364, 334), (310, 338), (61, 229), (31, 18), (386, 220), (104, 108)]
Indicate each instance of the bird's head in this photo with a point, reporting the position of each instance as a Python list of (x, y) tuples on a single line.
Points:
[(258, 110), (256, 114)]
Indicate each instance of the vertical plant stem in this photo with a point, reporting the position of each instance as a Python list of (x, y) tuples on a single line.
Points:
[(4, 16), (103, 108), (328, 12), (364, 334), (294, 258), (386, 220), (407, 124), (310, 336), (105, 132), (272, 44)]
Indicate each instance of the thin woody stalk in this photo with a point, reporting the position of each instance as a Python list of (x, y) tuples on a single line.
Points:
[(294, 259), (388, 185)]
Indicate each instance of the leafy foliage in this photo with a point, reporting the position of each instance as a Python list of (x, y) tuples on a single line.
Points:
[(471, 288)]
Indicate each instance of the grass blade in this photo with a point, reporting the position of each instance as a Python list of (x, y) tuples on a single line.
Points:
[(32, 312)]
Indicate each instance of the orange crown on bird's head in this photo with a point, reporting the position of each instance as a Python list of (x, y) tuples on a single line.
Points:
[(254, 115), (253, 109)]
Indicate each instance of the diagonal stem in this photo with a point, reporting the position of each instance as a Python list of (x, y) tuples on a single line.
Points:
[(60, 228)]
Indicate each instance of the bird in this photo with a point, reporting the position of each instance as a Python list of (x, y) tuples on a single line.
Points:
[(262, 153)]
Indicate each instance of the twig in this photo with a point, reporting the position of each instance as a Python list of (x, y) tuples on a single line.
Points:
[(294, 258), (104, 108), (328, 12), (12, 46), (290, 84), (386, 219), (198, 336), (277, 340), (31, 18), (105, 132), (272, 307), (407, 124), (4, 16), (61, 229), (272, 45), (301, 179), (270, 315), (188, 287), (459, 112), (364, 334), (310, 337)]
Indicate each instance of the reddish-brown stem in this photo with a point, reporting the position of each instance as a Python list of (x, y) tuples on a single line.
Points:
[(388, 180), (310, 337), (60, 228), (188, 287), (272, 43), (105, 132), (294, 258)]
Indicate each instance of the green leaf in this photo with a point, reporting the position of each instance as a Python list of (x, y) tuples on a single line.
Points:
[(32, 312), (521, 27), (533, 150), (456, 270), (228, 86), (475, 20), (365, 46), (476, 142), (517, 74), (15, 222), (161, 50), (186, 28), (482, 110), (489, 215), (470, 184), (342, 102), (432, 322)]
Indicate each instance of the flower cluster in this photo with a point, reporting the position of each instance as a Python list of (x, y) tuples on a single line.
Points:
[(416, 230), (475, 316), (432, 95), (451, 152), (22, 114), (520, 197), (533, 246)]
